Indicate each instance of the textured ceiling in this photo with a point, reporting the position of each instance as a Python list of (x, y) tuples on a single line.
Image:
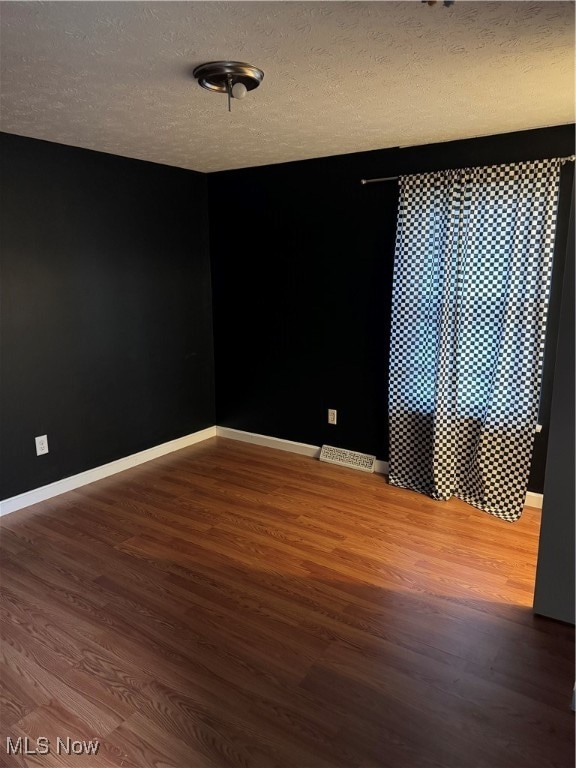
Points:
[(339, 76)]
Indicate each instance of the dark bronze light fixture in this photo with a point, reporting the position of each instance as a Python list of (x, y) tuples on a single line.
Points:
[(231, 77)]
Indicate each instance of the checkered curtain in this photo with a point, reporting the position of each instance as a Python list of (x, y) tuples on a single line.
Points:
[(472, 275)]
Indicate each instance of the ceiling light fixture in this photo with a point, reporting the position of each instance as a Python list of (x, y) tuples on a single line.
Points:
[(231, 77)]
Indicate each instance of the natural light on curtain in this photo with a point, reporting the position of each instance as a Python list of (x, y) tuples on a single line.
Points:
[(472, 274)]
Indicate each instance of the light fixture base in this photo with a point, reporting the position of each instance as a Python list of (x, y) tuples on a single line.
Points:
[(217, 75)]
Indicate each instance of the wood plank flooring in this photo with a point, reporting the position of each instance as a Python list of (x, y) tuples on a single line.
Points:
[(233, 606)]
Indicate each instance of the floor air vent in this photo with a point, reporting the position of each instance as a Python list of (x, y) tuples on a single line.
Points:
[(348, 458)]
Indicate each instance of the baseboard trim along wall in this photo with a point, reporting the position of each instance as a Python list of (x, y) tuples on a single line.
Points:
[(269, 442), (98, 473), (283, 445), (105, 470), (382, 468), (534, 499)]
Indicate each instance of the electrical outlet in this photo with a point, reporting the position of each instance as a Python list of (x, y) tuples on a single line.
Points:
[(332, 416), (41, 445)]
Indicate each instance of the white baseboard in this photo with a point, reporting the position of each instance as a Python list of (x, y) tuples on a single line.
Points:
[(534, 499), (269, 442), (382, 467), (283, 445), (98, 473)]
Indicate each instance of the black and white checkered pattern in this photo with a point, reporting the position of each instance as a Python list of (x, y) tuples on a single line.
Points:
[(472, 276)]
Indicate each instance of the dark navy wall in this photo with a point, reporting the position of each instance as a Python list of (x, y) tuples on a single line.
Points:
[(106, 309), (302, 259)]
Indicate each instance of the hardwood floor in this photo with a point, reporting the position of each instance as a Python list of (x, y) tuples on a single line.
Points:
[(234, 606)]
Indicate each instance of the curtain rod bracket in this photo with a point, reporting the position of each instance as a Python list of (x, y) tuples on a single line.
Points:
[(373, 181)]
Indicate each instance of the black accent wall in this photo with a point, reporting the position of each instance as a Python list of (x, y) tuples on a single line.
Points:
[(302, 259), (106, 293), (107, 340)]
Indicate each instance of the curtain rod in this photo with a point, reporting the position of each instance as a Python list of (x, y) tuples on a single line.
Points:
[(569, 159)]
